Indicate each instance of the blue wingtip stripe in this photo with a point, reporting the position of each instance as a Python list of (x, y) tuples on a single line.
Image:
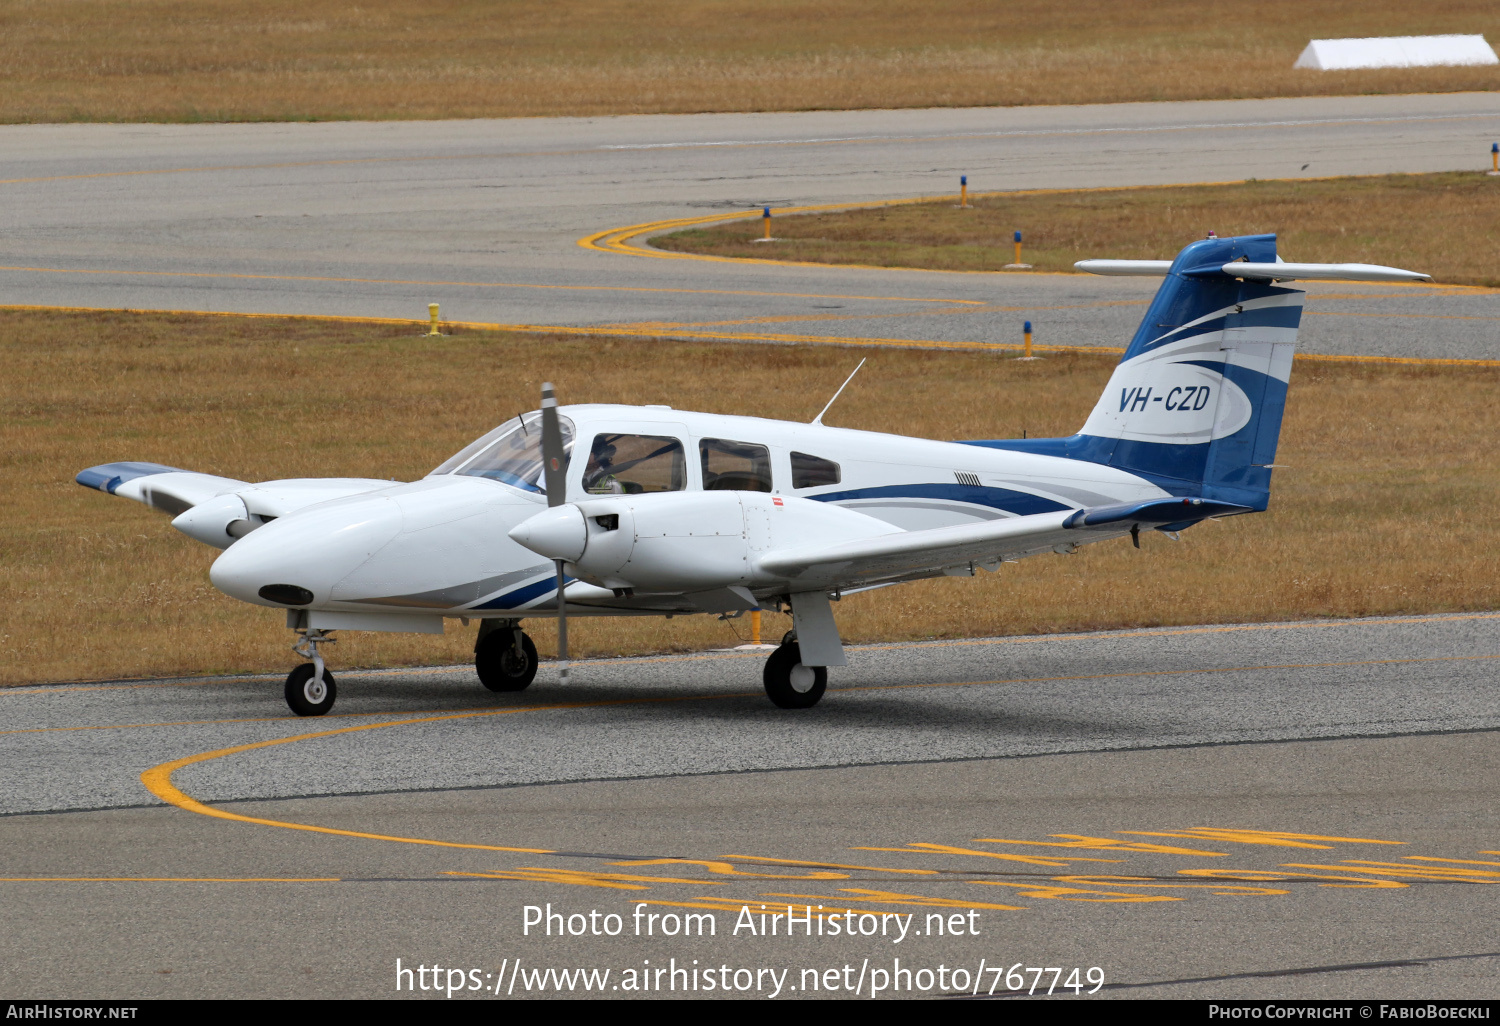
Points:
[(107, 477)]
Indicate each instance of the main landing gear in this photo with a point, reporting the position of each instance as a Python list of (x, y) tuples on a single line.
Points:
[(789, 684), (504, 656), (310, 690)]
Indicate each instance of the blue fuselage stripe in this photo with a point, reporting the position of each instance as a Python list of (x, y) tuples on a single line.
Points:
[(1005, 499), (522, 595)]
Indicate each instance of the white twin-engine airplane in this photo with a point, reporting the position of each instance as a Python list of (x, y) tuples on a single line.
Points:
[(666, 512)]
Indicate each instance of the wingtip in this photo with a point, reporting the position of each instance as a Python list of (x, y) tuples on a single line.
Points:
[(107, 477)]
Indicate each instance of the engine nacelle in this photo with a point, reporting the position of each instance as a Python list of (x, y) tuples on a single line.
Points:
[(218, 522), (676, 542)]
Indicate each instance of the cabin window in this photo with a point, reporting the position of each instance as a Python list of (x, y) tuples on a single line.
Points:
[(512, 453), (812, 471), (734, 466), (632, 464)]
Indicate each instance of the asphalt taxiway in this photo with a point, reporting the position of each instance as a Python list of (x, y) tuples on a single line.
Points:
[(530, 221), (1288, 809)]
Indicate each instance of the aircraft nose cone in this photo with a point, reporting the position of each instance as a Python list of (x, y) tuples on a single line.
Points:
[(296, 560), (557, 533)]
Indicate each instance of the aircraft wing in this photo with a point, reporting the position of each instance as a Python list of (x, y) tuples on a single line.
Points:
[(175, 491), (869, 560), (168, 489)]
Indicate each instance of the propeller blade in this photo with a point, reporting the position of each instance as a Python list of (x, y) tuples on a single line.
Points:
[(554, 466), (562, 627), (554, 460)]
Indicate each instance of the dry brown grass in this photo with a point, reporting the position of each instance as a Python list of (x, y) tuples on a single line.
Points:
[(1447, 225), (252, 60), (1387, 505)]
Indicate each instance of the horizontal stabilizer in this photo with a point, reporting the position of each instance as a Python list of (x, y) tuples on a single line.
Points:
[(1277, 271), (1155, 268), (1322, 272)]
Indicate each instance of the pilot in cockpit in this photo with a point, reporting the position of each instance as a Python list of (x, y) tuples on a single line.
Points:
[(599, 478)]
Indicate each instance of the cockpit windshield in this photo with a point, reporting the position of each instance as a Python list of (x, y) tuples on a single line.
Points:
[(512, 453)]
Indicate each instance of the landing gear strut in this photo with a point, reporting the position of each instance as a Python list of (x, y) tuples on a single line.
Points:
[(504, 656), (790, 684), (310, 690)]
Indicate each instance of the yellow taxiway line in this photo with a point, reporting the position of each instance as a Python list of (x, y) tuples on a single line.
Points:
[(622, 240), (158, 779)]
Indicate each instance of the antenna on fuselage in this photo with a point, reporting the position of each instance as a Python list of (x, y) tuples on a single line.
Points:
[(818, 420)]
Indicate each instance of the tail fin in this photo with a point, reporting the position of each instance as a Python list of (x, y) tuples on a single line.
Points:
[(1195, 404)]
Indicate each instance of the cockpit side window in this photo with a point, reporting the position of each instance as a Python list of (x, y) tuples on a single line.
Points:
[(734, 466), (511, 454), (812, 471), (632, 464)]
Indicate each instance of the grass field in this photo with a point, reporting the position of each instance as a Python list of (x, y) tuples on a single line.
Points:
[(1382, 508), (259, 60), (1447, 225)]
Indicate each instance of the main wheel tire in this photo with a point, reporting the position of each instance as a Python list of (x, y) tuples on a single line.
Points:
[(306, 696), (498, 666), (791, 685)]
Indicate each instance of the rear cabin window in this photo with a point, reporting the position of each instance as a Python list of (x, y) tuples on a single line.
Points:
[(632, 464), (734, 466), (812, 471)]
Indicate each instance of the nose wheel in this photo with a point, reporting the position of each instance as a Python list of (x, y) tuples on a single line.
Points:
[(505, 658), (309, 694), (790, 684), (310, 689)]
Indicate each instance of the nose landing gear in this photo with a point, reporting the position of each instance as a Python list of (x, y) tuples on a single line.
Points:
[(310, 690)]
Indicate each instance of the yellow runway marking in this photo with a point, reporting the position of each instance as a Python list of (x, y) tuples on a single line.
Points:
[(1274, 838), (620, 240), (1467, 862), (158, 779)]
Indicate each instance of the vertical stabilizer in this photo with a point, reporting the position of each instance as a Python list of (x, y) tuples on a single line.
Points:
[(1195, 404)]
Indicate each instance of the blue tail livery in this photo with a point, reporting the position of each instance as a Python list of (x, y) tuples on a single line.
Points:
[(1195, 404)]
